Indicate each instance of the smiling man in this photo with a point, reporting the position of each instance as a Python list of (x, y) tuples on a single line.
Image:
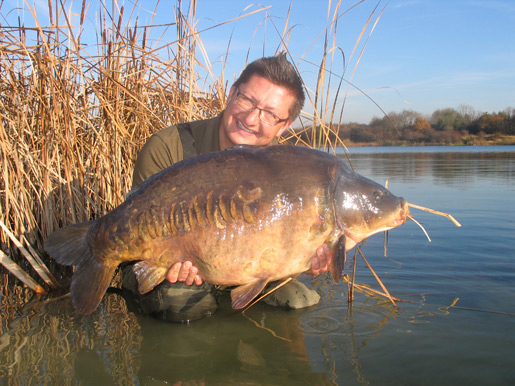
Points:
[(263, 102)]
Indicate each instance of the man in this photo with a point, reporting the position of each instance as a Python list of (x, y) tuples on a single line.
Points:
[(263, 102)]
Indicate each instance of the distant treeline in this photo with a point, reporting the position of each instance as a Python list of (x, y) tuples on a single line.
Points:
[(443, 127)]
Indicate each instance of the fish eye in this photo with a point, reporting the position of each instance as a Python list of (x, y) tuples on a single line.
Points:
[(378, 195)]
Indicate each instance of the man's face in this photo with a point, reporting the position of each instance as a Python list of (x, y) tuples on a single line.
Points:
[(244, 127)]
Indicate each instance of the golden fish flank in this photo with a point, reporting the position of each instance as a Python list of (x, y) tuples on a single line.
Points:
[(244, 216), (185, 216), (268, 258)]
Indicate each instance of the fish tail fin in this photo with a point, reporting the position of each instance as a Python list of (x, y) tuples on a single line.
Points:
[(69, 246), (89, 283), (338, 261)]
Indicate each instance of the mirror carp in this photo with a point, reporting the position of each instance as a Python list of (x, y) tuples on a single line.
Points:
[(245, 216)]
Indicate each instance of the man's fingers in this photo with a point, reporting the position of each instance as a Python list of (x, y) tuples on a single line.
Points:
[(315, 265), (198, 280), (173, 273), (184, 272), (324, 258), (192, 273)]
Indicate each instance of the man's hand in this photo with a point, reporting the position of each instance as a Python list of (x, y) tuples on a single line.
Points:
[(321, 261), (184, 272)]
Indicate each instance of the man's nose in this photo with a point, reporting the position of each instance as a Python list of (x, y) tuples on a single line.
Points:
[(253, 115)]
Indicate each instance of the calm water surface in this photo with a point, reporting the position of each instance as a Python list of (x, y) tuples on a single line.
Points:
[(454, 328)]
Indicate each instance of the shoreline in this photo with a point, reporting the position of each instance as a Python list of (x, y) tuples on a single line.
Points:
[(502, 141)]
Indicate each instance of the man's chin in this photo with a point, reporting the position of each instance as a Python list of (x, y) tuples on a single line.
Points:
[(244, 140)]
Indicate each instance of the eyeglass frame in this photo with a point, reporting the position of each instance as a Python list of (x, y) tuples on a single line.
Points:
[(254, 107)]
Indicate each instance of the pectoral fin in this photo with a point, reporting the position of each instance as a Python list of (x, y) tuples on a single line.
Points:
[(244, 294), (148, 276), (338, 262)]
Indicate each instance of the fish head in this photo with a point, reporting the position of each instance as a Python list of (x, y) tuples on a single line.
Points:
[(363, 208)]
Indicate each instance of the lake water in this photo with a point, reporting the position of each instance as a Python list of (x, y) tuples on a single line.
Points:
[(454, 326)]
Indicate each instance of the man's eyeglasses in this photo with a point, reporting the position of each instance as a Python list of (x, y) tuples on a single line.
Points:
[(248, 105)]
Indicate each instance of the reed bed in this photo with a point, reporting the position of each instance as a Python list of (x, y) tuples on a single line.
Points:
[(74, 116), (73, 122)]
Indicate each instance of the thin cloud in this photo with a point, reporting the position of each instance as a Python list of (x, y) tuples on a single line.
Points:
[(499, 5), (408, 3)]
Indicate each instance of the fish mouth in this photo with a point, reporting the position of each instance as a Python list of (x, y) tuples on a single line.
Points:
[(400, 218), (403, 213), (355, 237)]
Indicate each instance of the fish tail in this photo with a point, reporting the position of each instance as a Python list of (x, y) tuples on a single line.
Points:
[(69, 246), (89, 283)]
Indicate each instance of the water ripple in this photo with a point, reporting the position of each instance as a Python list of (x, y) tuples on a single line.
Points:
[(345, 320)]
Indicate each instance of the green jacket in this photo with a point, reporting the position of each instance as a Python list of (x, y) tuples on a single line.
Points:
[(165, 147)]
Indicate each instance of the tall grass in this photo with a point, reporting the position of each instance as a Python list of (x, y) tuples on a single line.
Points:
[(72, 120)]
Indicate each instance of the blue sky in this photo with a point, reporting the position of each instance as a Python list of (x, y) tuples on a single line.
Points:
[(422, 55), (419, 55)]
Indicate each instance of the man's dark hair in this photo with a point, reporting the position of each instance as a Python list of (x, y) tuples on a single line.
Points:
[(280, 72)]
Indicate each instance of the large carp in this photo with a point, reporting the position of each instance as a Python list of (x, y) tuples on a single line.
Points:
[(244, 216)]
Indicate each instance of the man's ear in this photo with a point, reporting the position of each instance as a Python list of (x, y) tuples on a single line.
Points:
[(283, 128), (232, 92)]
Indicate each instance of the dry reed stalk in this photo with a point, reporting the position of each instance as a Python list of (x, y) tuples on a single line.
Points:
[(322, 128), (351, 283), (72, 122), (32, 258), (17, 271), (366, 289), (262, 327), (283, 283), (73, 116), (450, 217), (376, 277), (41, 269)]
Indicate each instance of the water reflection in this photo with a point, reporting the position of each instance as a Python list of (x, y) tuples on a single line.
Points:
[(48, 343), (336, 334), (445, 168)]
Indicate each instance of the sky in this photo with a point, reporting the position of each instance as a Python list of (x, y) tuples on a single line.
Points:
[(420, 55)]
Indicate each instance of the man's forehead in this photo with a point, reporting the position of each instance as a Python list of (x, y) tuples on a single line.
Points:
[(251, 89)]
